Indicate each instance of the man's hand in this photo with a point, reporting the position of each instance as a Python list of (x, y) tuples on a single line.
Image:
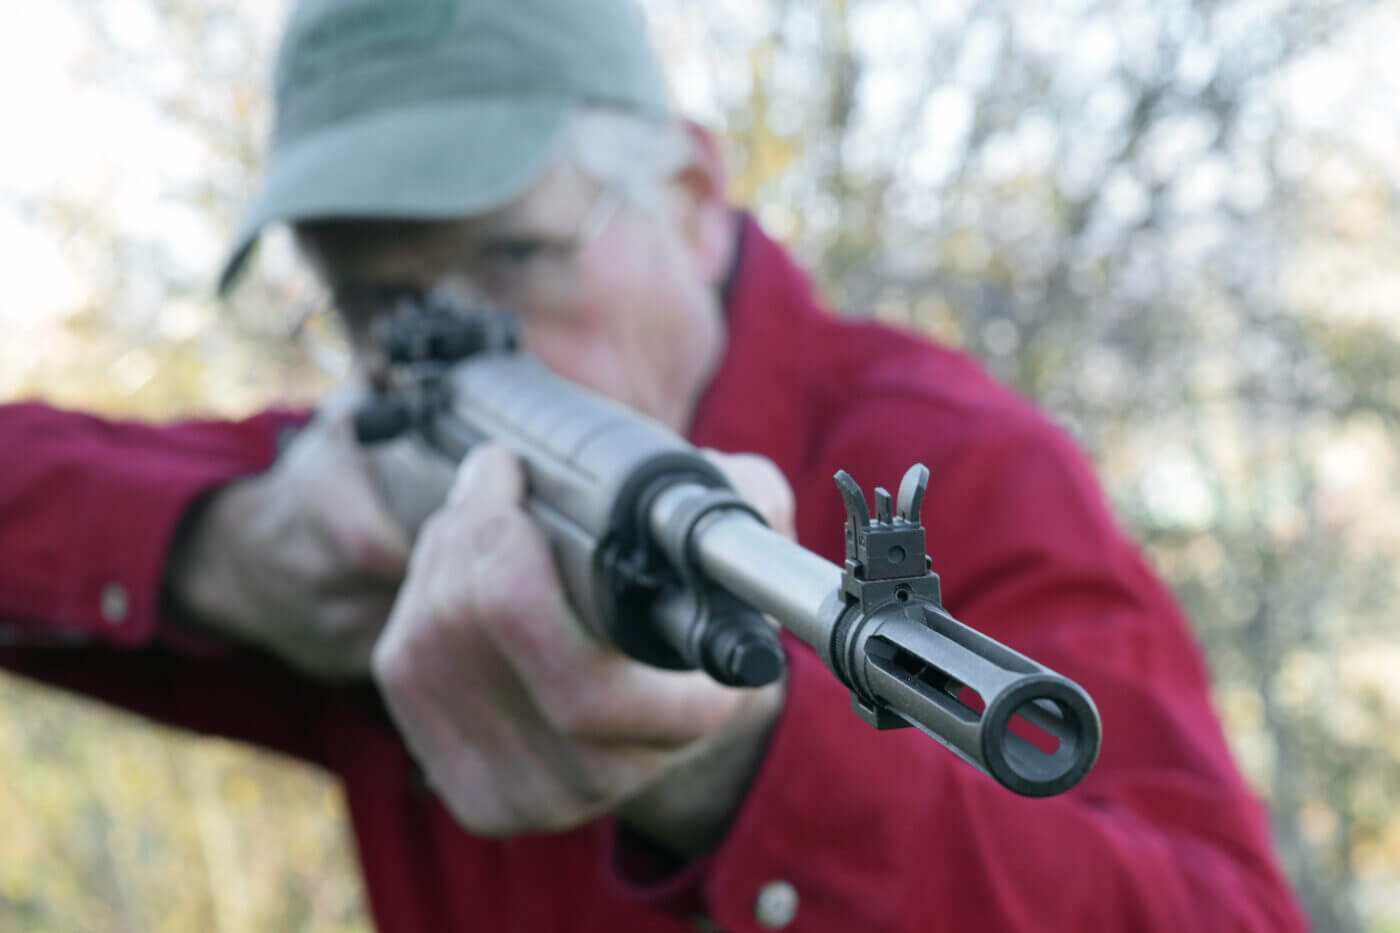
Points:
[(304, 560), (524, 722)]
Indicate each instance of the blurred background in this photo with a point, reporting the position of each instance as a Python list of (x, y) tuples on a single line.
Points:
[(1176, 225)]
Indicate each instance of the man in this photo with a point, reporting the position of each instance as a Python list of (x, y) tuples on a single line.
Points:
[(518, 775)]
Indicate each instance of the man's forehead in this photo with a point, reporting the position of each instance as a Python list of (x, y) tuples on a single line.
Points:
[(552, 197)]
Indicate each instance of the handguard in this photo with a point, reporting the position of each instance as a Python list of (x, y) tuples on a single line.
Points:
[(662, 560)]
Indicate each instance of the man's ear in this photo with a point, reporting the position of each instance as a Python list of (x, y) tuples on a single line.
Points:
[(707, 218)]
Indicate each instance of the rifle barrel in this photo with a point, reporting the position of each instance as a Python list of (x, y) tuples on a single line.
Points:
[(756, 564)]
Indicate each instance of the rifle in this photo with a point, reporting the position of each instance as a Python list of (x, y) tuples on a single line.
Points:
[(662, 560)]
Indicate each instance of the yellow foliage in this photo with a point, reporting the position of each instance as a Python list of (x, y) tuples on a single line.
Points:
[(114, 824), (764, 154)]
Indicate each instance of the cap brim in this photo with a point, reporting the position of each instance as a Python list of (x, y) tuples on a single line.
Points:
[(430, 162)]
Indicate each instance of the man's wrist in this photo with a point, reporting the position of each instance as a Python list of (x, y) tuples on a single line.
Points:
[(689, 810), (198, 568)]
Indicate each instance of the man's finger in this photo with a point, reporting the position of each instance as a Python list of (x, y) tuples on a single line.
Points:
[(761, 484), (489, 473), (412, 479), (336, 475)]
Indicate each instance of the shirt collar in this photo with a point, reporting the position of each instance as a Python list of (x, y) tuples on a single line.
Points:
[(758, 400)]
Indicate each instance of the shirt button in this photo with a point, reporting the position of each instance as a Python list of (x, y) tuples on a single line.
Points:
[(776, 904), (114, 603)]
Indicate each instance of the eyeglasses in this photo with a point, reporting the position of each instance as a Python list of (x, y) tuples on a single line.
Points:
[(525, 273), (530, 273)]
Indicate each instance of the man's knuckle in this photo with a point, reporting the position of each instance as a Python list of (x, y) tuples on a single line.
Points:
[(571, 713), (559, 821), (488, 822), (452, 614), (434, 527), (340, 620), (547, 806), (388, 664), (493, 596), (596, 779), (359, 549), (785, 509), (498, 533), (512, 552), (580, 709)]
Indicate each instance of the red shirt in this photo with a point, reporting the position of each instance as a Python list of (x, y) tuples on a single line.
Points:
[(873, 830)]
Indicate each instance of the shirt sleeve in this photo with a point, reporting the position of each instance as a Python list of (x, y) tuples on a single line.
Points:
[(88, 510), (848, 828)]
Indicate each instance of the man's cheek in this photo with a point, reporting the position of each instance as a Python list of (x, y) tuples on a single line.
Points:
[(580, 359)]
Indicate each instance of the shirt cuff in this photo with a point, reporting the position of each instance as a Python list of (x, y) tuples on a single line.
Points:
[(131, 505), (644, 873), (822, 832)]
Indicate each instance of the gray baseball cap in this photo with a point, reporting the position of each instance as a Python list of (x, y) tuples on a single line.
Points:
[(429, 109)]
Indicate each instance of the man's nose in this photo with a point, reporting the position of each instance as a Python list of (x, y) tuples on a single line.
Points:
[(462, 290)]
